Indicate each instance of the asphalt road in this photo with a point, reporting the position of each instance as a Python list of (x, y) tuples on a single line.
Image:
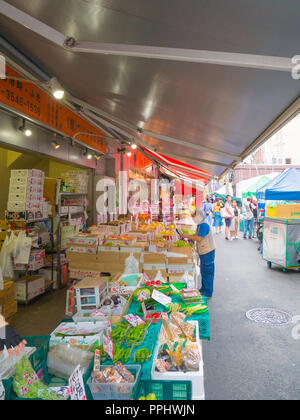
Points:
[(243, 360)]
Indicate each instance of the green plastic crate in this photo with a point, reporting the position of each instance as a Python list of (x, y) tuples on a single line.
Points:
[(42, 344), (7, 383), (165, 390)]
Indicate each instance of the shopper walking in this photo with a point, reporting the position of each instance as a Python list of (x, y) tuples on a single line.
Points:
[(205, 247), (218, 221), (235, 222), (208, 209), (255, 215), (249, 218), (228, 216)]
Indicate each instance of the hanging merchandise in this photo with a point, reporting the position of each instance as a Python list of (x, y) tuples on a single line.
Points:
[(6, 254), (23, 248)]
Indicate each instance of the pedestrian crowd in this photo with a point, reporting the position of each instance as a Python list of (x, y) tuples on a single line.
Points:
[(218, 213)]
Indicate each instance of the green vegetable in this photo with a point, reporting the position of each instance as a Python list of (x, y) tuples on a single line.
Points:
[(136, 334), (27, 385), (142, 355)]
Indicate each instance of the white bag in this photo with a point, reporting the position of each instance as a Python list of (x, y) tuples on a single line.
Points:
[(8, 249), (131, 265), (159, 277)]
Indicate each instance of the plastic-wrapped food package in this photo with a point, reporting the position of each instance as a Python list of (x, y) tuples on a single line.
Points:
[(63, 359)]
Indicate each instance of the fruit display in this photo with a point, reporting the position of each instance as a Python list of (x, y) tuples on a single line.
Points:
[(182, 244)]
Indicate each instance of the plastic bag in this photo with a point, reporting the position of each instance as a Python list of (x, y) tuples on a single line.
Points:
[(159, 277), (6, 256), (131, 265), (191, 356)]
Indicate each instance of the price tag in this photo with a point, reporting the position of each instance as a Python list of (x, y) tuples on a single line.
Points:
[(97, 314), (109, 347), (174, 288), (108, 327), (161, 298), (143, 296), (134, 320), (76, 385), (146, 277)]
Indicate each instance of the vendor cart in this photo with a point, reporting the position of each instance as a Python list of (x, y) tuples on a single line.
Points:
[(281, 242)]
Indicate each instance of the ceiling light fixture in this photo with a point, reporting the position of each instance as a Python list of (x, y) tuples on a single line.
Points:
[(129, 153), (57, 90), (55, 145), (25, 130), (133, 146)]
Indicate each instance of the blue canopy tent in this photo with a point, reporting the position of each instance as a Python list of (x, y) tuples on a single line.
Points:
[(286, 186)]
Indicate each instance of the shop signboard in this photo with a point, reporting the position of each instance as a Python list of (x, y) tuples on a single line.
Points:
[(30, 100)]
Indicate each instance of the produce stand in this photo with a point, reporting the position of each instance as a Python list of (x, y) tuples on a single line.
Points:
[(129, 342)]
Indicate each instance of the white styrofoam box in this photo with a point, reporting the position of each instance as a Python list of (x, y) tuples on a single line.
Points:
[(35, 288), (196, 377), (26, 205), (34, 173), (78, 340), (26, 189), (26, 181), (25, 197)]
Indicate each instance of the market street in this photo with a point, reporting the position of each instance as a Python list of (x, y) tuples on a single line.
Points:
[(244, 360)]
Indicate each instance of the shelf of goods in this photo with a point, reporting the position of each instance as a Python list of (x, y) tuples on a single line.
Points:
[(71, 210), (27, 219)]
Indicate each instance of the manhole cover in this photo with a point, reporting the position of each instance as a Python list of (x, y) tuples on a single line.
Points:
[(269, 316)]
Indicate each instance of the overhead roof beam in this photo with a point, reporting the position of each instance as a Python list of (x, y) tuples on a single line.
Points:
[(175, 54)]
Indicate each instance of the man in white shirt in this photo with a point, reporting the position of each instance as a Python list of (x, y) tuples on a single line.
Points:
[(249, 218)]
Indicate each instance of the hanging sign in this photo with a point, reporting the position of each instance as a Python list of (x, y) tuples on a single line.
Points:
[(32, 101)]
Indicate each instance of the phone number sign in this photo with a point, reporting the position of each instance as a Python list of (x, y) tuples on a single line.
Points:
[(35, 103)]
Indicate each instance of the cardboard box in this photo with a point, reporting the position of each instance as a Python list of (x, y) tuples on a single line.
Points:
[(83, 239), (288, 211), (152, 274), (35, 287), (153, 261), (84, 249), (9, 309), (7, 294), (189, 251)]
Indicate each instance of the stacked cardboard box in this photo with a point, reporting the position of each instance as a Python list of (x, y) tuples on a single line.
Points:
[(4, 225), (36, 260), (8, 305), (28, 287), (25, 200), (83, 243), (103, 262)]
